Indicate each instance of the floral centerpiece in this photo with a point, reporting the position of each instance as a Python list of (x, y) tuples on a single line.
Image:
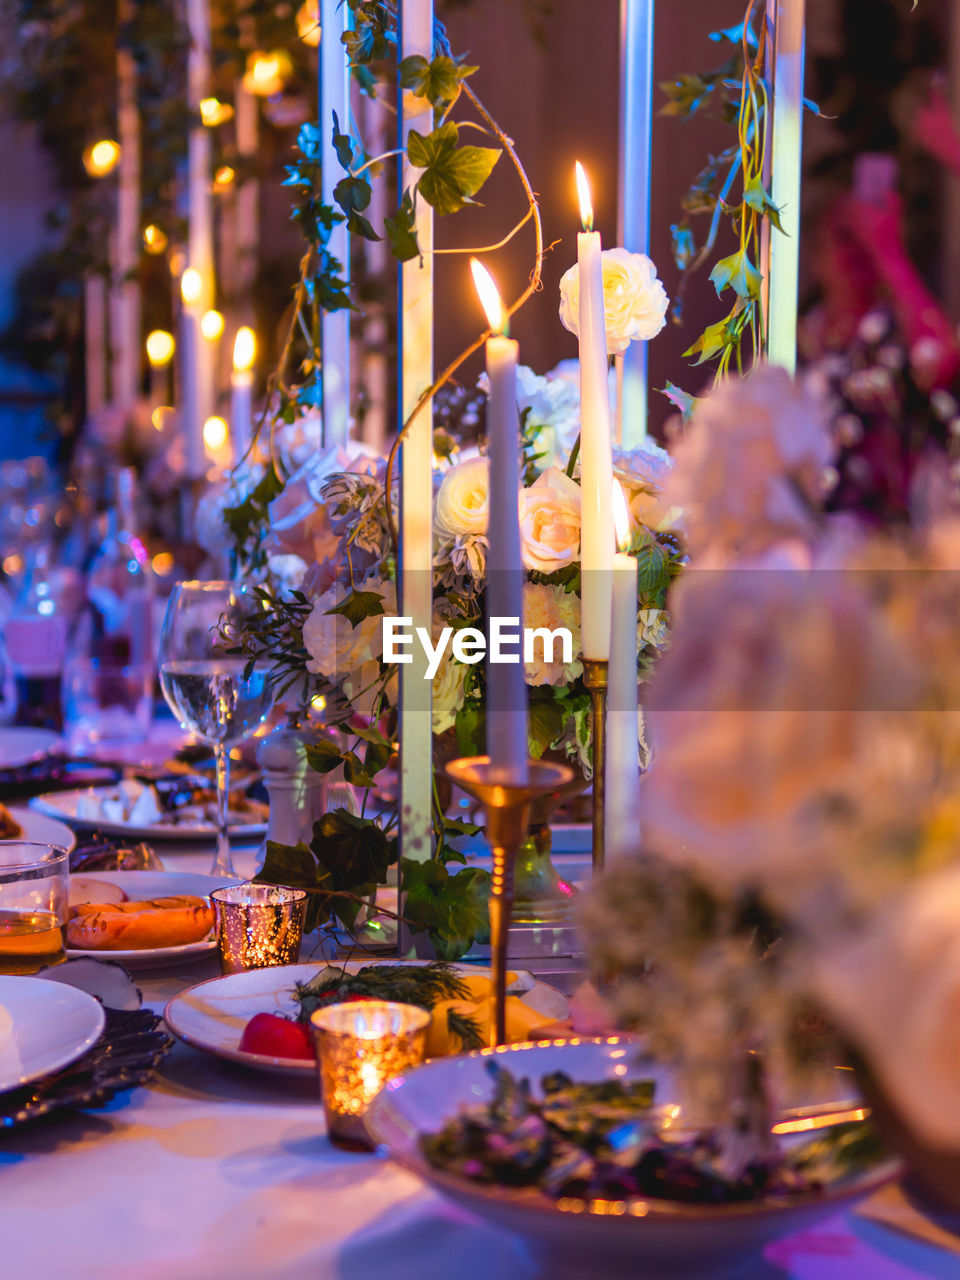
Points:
[(323, 637)]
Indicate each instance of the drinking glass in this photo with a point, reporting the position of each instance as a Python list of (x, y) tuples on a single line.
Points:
[(34, 900), (209, 689), (106, 703)]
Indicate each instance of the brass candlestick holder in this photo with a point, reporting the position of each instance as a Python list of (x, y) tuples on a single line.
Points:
[(595, 678), (507, 802)]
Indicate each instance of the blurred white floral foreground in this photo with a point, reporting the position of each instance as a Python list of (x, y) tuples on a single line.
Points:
[(798, 892)]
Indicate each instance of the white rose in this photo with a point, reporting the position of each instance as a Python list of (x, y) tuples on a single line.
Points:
[(550, 522), (447, 692), (552, 607), (463, 500), (634, 301), (642, 472), (337, 648)]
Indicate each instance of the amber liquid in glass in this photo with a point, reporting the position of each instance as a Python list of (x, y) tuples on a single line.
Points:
[(29, 940)]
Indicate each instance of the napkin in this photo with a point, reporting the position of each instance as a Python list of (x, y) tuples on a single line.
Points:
[(894, 1208)]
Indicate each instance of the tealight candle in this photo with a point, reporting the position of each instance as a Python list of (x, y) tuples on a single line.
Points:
[(258, 925), (360, 1047)]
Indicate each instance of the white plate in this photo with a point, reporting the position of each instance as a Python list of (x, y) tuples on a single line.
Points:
[(37, 826), (25, 746), (601, 1237), (53, 1025), (156, 884), (212, 1015), (63, 805)]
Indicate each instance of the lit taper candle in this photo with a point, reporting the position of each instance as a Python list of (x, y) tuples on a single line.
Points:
[(623, 755), (596, 464), (241, 390), (506, 688)]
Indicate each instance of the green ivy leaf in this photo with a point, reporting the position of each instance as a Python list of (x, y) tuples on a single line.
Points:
[(400, 231), (453, 907), (352, 193), (358, 225), (342, 145), (683, 400), (323, 756), (756, 198), (452, 174), (653, 567), (438, 81), (710, 343), (470, 727), (738, 273), (546, 724), (359, 605)]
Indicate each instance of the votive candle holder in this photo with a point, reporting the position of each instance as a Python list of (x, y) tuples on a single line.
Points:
[(361, 1046), (258, 925)]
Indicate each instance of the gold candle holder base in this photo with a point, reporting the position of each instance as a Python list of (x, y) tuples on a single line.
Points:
[(595, 671), (507, 802)]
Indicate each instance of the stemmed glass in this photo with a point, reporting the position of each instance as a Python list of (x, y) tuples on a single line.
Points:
[(207, 688)]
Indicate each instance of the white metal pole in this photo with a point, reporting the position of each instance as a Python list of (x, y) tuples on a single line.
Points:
[(334, 325), (785, 20), (416, 462), (636, 129)]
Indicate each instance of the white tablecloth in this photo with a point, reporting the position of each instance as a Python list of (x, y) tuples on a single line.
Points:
[(217, 1173)]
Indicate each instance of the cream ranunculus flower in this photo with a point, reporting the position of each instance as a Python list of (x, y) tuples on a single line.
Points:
[(634, 301), (463, 500), (550, 522), (552, 607), (347, 655), (448, 686)]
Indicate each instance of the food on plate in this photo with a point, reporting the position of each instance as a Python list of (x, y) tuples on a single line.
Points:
[(135, 803), (606, 1140), (10, 828), (136, 926), (84, 889), (460, 1005), (274, 1036), (101, 853)]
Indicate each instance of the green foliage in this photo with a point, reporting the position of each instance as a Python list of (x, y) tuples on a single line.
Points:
[(343, 864), (358, 605), (452, 174), (248, 521), (400, 231), (437, 80), (452, 907)]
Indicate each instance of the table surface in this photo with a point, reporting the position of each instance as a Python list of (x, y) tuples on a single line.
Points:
[(214, 1172)]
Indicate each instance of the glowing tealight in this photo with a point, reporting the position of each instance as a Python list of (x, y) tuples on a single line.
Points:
[(101, 157), (224, 176), (215, 432), (154, 239), (160, 347), (267, 72), (211, 325), (162, 564), (214, 112)]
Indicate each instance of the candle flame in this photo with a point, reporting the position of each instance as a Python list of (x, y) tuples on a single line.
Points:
[(100, 158), (160, 347), (154, 239), (621, 517), (211, 324), (490, 300), (215, 433), (191, 286), (244, 349), (583, 195)]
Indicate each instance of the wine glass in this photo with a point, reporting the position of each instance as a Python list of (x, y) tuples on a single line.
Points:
[(209, 689)]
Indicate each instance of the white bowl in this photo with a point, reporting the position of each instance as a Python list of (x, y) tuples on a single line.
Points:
[(649, 1237)]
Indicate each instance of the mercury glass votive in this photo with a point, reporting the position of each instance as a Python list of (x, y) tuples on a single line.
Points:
[(360, 1047), (258, 925)]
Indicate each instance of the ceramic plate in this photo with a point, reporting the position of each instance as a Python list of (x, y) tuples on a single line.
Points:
[(25, 746), (212, 1015), (43, 1027), (63, 805), (154, 884), (37, 826), (672, 1239)]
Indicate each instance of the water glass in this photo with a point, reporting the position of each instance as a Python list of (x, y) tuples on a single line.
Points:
[(105, 702), (34, 905)]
